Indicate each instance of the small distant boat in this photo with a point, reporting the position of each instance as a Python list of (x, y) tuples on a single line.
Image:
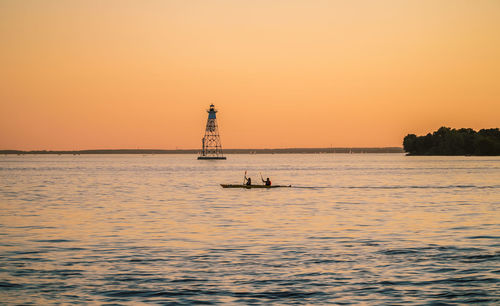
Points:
[(252, 186)]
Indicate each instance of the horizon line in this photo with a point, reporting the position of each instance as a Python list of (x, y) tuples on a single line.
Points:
[(228, 151)]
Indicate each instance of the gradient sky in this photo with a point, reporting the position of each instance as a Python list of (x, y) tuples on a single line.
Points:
[(140, 74)]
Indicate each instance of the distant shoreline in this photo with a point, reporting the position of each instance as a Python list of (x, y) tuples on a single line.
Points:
[(226, 151)]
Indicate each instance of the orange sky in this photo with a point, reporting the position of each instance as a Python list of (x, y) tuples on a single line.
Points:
[(140, 74)]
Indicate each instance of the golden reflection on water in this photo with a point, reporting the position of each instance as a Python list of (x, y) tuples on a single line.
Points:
[(96, 221)]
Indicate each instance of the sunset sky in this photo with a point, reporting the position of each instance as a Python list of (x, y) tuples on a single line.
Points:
[(141, 74)]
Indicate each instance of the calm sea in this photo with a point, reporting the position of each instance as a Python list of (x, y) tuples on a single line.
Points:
[(159, 229)]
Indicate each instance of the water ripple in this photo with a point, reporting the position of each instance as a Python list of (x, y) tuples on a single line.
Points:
[(375, 230)]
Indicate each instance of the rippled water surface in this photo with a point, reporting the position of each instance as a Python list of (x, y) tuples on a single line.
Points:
[(159, 229)]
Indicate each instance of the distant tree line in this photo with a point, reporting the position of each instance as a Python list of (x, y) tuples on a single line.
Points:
[(446, 141)]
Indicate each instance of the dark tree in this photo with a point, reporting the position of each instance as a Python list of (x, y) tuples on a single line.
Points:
[(446, 141), (409, 143)]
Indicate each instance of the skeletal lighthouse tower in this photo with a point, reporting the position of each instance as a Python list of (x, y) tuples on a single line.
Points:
[(210, 143)]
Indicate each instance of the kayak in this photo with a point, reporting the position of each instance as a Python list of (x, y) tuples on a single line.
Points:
[(252, 186)]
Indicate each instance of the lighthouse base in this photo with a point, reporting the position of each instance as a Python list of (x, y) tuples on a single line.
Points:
[(211, 157)]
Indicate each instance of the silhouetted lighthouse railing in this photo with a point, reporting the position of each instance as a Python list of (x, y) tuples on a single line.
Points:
[(211, 147)]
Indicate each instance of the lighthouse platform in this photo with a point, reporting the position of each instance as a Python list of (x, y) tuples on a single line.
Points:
[(211, 157)]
